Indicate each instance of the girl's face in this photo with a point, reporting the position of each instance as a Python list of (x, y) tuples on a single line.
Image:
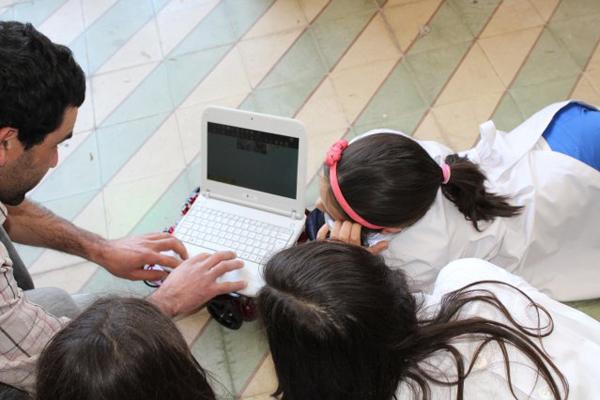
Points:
[(324, 203)]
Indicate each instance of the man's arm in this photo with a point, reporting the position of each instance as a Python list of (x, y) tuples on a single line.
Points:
[(31, 224)]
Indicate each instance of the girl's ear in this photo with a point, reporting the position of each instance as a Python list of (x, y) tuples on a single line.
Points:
[(391, 230)]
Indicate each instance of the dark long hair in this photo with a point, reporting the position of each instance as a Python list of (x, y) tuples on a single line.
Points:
[(342, 325), (390, 180), (120, 349)]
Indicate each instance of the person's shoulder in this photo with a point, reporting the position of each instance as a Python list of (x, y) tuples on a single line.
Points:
[(460, 273)]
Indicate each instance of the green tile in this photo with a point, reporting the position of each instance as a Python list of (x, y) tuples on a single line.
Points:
[(341, 8), (334, 36), (590, 307), (230, 356), (532, 98), (507, 116), (578, 35), (283, 100), (398, 95), (117, 143), (103, 283), (548, 61), (302, 61), (445, 30), (241, 13), (568, 9), (405, 122), (474, 13), (432, 69)]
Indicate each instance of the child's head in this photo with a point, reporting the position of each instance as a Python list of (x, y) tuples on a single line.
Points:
[(341, 324), (331, 307), (389, 181), (120, 349)]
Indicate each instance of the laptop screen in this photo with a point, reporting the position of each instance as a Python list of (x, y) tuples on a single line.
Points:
[(252, 159)]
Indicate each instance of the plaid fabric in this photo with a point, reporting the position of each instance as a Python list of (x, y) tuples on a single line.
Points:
[(25, 328)]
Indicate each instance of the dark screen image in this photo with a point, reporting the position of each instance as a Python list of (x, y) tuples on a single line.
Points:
[(251, 159)]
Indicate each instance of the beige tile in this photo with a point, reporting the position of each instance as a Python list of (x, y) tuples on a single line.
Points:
[(374, 44), (511, 16), (356, 86), (545, 7), (124, 211), (407, 20), (51, 260), (228, 79), (509, 51), (178, 18), (312, 8), (429, 129), (263, 383), (191, 325), (160, 153), (284, 15), (111, 89), (323, 111), (141, 48), (460, 121), (70, 279), (474, 76), (586, 92), (261, 53), (85, 115)]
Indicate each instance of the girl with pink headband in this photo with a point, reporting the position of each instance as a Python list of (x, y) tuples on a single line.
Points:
[(523, 200)]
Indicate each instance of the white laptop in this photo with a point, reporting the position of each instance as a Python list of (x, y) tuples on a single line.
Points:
[(252, 190)]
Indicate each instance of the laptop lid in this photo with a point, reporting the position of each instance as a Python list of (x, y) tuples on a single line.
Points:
[(254, 159)]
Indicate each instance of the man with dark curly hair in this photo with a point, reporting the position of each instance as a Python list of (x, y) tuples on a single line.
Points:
[(41, 89)]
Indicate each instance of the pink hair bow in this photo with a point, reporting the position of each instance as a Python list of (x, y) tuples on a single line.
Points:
[(334, 154)]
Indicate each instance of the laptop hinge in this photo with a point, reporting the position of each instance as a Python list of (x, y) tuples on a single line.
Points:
[(293, 214)]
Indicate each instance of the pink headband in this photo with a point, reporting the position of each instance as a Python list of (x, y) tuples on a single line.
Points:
[(331, 159), (446, 173)]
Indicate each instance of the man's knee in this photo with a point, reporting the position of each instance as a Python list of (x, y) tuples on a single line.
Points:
[(54, 301)]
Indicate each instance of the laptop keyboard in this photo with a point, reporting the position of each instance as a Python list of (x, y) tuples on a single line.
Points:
[(251, 239)]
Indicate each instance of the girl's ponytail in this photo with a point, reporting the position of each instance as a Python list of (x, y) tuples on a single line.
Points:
[(466, 190)]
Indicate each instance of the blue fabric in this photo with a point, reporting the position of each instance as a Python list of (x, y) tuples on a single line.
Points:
[(575, 131)]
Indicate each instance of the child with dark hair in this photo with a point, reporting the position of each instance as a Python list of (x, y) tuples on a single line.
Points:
[(342, 325), (525, 200), (120, 349)]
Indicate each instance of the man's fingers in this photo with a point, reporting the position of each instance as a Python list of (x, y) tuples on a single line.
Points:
[(157, 236), (218, 257), (230, 287), (148, 275), (355, 230), (225, 266), (166, 261), (322, 232), (379, 247), (170, 244)]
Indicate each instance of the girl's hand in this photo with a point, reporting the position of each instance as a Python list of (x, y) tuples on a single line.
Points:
[(349, 232)]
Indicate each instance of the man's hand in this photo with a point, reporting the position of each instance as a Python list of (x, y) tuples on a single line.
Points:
[(126, 257), (349, 232), (194, 283)]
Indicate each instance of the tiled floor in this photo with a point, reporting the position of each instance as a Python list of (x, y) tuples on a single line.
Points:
[(432, 68)]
